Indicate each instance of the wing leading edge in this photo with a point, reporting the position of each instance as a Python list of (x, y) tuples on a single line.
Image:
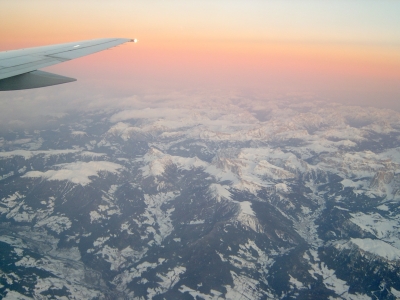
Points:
[(19, 68)]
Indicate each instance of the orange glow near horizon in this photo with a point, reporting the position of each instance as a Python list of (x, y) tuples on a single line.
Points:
[(210, 44)]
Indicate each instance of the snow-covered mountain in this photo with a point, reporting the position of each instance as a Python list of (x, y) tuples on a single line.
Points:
[(226, 199)]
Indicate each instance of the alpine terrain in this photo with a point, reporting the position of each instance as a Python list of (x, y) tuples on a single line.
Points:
[(207, 198)]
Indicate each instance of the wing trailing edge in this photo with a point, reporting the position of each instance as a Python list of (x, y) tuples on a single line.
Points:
[(32, 80)]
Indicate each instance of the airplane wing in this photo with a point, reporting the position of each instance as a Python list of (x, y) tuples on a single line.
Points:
[(19, 68)]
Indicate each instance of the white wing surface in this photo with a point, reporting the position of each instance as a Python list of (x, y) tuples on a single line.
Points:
[(18, 68)]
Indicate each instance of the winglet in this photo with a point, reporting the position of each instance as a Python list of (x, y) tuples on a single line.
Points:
[(134, 40)]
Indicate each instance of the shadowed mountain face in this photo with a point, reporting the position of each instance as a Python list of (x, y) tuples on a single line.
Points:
[(225, 199)]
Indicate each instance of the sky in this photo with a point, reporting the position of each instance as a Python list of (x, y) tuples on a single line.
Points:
[(339, 51)]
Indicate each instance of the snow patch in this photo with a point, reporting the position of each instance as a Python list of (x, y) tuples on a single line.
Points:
[(377, 247), (76, 172), (214, 295), (13, 295), (383, 207), (245, 208), (219, 192), (55, 223)]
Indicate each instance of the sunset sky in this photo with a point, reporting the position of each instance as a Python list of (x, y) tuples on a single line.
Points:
[(343, 51)]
